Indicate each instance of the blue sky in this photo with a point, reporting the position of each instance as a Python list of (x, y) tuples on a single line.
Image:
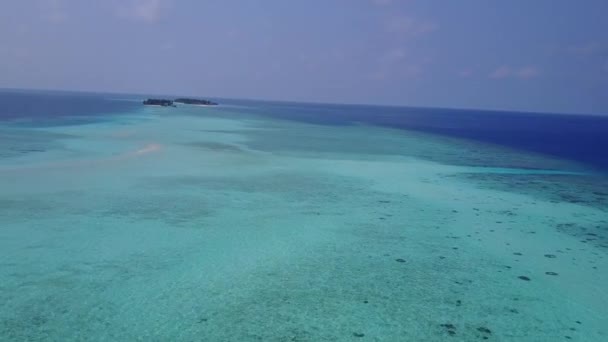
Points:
[(538, 55)]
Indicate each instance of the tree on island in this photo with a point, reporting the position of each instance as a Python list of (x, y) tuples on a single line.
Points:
[(170, 103), (159, 102), (195, 102)]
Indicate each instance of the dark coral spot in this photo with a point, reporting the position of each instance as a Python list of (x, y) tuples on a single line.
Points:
[(356, 334), (451, 328), (484, 330)]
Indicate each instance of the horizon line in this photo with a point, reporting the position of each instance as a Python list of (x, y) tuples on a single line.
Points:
[(481, 109)]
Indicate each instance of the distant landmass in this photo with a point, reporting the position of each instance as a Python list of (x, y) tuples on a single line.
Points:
[(171, 103), (159, 102), (195, 102)]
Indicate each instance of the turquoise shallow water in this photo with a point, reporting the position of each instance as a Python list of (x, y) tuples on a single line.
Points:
[(204, 224)]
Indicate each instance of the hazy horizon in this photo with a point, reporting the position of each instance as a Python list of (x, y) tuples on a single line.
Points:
[(303, 102), (546, 56)]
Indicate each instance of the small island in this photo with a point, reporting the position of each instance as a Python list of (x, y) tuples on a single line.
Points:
[(159, 102), (171, 103), (195, 102)]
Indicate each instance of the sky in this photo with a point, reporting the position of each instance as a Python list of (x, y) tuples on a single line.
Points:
[(529, 55)]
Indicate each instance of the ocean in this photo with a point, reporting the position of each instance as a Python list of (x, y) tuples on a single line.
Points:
[(277, 221)]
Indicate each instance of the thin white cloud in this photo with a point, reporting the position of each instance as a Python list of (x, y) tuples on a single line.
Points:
[(142, 10), (412, 70), (527, 72), (54, 11), (382, 2), (586, 49), (523, 73), (465, 73), (393, 55), (501, 72), (378, 75), (410, 26), (397, 63)]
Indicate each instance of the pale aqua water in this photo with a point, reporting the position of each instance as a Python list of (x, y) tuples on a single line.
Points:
[(201, 224)]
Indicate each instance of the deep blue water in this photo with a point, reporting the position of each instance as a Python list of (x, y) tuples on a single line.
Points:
[(45, 108), (582, 138), (579, 138)]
